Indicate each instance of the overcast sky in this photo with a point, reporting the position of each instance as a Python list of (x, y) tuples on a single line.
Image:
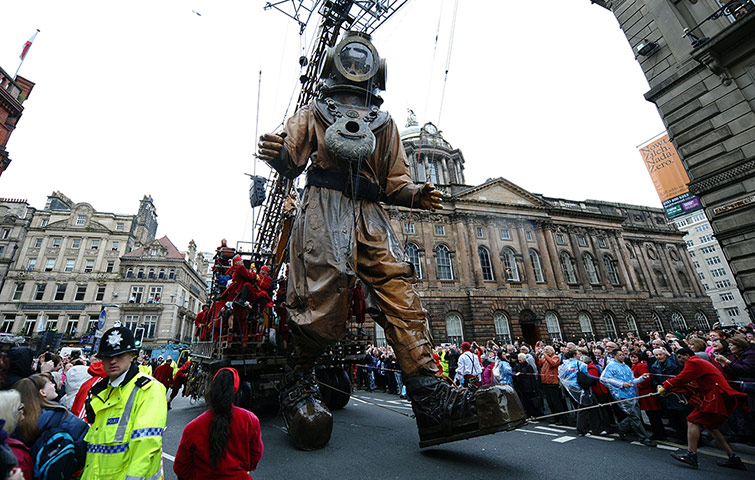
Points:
[(147, 97)]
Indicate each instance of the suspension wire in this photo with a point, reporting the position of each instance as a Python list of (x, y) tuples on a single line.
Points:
[(432, 63), (254, 169), (448, 59)]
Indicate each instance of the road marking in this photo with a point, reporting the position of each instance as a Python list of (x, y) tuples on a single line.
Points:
[(598, 437), (282, 429), (667, 447), (563, 439), (169, 457), (551, 429), (535, 431)]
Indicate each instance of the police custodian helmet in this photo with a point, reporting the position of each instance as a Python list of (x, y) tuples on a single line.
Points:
[(115, 341)]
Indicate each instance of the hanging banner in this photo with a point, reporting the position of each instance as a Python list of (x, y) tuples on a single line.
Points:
[(669, 177)]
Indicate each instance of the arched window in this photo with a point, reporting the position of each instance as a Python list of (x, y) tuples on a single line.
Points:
[(678, 323), (631, 251), (412, 252), (130, 272), (172, 274), (443, 260), (684, 280), (702, 321), (609, 322), (660, 278), (590, 268), (379, 336), (151, 273), (140, 273), (509, 264), (567, 267), (585, 323), (537, 265), (161, 274), (454, 330), (631, 323), (611, 270), (552, 323), (502, 328), (485, 265), (658, 322)]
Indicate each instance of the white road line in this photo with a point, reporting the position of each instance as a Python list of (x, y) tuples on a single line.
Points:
[(598, 437), (667, 447), (551, 429), (563, 439), (169, 457), (535, 431)]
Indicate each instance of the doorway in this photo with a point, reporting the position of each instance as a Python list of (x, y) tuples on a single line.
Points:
[(530, 333)]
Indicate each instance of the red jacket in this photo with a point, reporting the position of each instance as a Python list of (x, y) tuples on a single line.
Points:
[(709, 392), (97, 371), (549, 369), (643, 388), (164, 374), (597, 387), (23, 455), (244, 448)]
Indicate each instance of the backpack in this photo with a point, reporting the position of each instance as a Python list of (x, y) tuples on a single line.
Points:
[(54, 452)]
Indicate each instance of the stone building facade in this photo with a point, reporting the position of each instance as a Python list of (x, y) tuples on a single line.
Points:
[(15, 218), (698, 57), (499, 261), (13, 93)]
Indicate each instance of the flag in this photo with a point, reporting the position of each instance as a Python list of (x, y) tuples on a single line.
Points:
[(27, 45), (42, 325)]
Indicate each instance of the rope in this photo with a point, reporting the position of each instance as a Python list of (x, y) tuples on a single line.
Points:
[(599, 405)]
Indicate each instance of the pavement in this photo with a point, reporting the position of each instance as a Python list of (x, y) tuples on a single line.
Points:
[(374, 437)]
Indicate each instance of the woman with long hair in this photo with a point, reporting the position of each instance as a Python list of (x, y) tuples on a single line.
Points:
[(225, 442), (12, 411)]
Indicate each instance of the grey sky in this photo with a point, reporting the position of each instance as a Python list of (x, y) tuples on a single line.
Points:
[(141, 97)]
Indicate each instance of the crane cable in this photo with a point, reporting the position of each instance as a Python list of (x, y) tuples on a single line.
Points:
[(448, 58)]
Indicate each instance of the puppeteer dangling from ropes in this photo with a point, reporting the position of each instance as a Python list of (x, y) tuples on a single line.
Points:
[(354, 158)]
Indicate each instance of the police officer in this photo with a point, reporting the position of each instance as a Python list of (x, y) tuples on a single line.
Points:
[(127, 414)]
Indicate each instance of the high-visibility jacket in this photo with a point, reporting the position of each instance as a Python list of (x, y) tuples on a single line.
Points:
[(125, 439), (444, 361), (146, 369)]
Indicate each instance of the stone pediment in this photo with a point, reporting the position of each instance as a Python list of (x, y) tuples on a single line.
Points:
[(500, 191)]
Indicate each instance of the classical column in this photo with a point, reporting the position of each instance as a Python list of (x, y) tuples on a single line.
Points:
[(578, 260), (604, 280), (653, 286), (495, 255), (446, 177), (621, 260), (525, 255), (675, 284), (554, 260), (545, 261)]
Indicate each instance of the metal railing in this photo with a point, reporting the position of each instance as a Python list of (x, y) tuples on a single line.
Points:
[(735, 9)]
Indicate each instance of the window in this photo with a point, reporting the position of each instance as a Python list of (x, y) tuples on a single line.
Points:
[(505, 234), (443, 260), (657, 322), (440, 230), (81, 291), (681, 223), (554, 328), (44, 222), (485, 265), (732, 312), (6, 233), (537, 266), (727, 297), (702, 321), (56, 242), (611, 270), (8, 321), (95, 245), (72, 325), (161, 272), (591, 269), (155, 293), (709, 249), (581, 241), (70, 263), (29, 323), (131, 322), (38, 243), (706, 287), (502, 327), (631, 323), (706, 238), (136, 295), (49, 264), (60, 292), (92, 324), (454, 331), (678, 322), (18, 291), (116, 244), (718, 272), (32, 264), (110, 267), (76, 243), (723, 284), (684, 280), (602, 242), (88, 266), (701, 275), (702, 228), (130, 272), (52, 323), (172, 274), (713, 260), (529, 236), (510, 266), (698, 217), (696, 264), (150, 326), (39, 291), (412, 252), (609, 322), (100, 293), (567, 267), (81, 220), (480, 232), (151, 273), (2, 249), (691, 253), (119, 227), (409, 227), (560, 239), (585, 323), (433, 171), (689, 243), (661, 278)]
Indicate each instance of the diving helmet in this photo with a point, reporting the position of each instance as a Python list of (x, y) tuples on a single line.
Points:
[(353, 65)]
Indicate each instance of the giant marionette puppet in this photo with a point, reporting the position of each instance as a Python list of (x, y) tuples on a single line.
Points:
[(354, 158)]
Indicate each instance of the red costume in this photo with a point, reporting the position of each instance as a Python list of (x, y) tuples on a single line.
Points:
[(180, 379), (97, 371), (644, 388), (164, 374), (714, 400), (357, 308), (244, 448)]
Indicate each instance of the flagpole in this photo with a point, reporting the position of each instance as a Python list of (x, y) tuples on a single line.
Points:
[(23, 54)]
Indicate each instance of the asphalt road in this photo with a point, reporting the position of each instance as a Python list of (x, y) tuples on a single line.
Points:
[(373, 438)]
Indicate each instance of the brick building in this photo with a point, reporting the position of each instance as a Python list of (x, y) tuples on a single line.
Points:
[(12, 96)]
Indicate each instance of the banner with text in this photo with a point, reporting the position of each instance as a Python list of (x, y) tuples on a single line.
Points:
[(669, 177)]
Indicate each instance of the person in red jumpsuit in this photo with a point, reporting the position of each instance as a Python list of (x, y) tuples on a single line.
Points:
[(200, 322), (714, 400), (235, 295), (179, 381)]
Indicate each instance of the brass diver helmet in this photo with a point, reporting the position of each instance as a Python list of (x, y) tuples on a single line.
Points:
[(354, 65)]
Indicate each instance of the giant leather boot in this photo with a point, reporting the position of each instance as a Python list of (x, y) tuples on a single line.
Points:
[(446, 413), (308, 420)]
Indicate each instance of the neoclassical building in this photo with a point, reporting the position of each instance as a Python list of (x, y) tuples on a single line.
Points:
[(499, 261)]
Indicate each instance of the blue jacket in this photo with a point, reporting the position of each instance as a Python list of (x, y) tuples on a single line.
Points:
[(69, 422)]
